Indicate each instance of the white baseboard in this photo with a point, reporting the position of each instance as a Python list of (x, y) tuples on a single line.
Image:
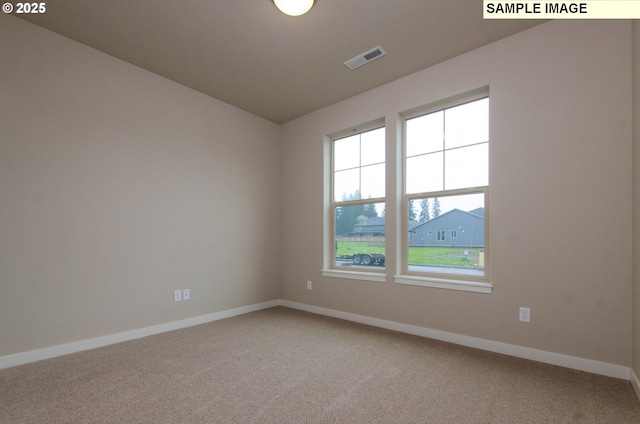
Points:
[(573, 362), (51, 352), (633, 378), (588, 365)]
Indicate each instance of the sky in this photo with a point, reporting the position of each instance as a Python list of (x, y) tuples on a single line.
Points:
[(445, 150)]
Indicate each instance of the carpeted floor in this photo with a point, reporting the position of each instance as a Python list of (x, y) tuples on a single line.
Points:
[(285, 366)]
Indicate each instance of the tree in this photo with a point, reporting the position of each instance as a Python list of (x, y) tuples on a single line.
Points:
[(424, 211), (346, 218), (350, 215), (435, 209), (412, 211), (370, 210)]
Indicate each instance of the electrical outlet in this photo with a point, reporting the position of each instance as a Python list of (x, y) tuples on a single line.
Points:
[(186, 294), (177, 295), (309, 284), (525, 314)]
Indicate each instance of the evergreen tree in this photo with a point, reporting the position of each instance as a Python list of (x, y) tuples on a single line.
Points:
[(412, 211), (435, 209), (424, 211), (370, 210), (347, 216)]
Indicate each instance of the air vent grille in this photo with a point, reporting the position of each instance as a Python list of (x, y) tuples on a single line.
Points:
[(375, 53), (365, 58)]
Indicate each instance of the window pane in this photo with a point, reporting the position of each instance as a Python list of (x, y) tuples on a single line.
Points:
[(467, 124), (372, 147), (346, 185), (346, 153), (360, 236), (359, 166), (424, 173), (449, 235), (467, 167), (372, 181), (425, 134)]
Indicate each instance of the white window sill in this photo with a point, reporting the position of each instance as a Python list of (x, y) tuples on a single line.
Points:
[(357, 275), (444, 283)]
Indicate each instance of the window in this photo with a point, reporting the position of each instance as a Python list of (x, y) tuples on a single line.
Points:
[(441, 201), (446, 189), (358, 201)]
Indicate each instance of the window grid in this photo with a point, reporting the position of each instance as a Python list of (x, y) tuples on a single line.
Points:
[(372, 260), (458, 147), (442, 190)]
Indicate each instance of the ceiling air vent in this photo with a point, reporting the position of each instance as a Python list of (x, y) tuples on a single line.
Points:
[(365, 58)]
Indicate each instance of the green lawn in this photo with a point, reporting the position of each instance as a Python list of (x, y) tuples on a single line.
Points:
[(452, 256), (432, 255), (351, 247)]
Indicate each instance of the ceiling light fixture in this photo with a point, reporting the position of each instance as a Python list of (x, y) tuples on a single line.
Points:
[(294, 7)]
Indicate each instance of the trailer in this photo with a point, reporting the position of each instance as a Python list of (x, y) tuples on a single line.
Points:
[(368, 259)]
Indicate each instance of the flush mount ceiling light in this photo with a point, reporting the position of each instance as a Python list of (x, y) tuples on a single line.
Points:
[(294, 7)]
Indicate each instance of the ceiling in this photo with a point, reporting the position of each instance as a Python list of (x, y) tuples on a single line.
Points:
[(248, 54)]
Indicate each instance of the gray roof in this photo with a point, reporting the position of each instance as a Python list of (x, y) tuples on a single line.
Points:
[(478, 213)]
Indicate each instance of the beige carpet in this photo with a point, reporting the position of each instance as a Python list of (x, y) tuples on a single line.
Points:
[(286, 366)]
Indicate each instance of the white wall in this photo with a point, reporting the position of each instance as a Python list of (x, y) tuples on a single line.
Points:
[(118, 186), (560, 202)]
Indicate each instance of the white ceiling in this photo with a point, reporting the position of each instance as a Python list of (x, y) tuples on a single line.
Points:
[(250, 55)]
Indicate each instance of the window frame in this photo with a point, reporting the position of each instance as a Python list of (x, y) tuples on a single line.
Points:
[(330, 268), (453, 281)]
